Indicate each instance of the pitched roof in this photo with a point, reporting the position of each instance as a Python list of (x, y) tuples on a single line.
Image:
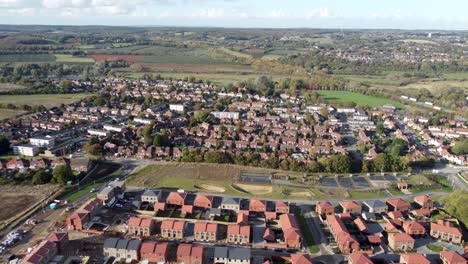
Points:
[(452, 257), (375, 204), (360, 258), (300, 259), (401, 237), (349, 204), (414, 258), (445, 227)]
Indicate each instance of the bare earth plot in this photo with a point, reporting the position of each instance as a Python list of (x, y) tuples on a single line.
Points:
[(17, 199)]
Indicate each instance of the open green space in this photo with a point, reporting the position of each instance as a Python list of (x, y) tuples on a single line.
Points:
[(75, 195), (6, 87), (27, 58), (308, 237), (72, 59), (10, 113), (423, 183), (47, 100), (358, 99)]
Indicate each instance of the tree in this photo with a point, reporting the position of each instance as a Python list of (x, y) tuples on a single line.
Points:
[(4, 145), (456, 204), (313, 166), (161, 140), (382, 162), (461, 148), (41, 177), (62, 174), (379, 129), (340, 164)]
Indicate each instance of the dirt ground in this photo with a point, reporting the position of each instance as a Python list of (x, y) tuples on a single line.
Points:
[(17, 198)]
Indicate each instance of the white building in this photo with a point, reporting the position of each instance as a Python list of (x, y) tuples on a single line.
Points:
[(26, 150), (142, 120), (43, 142), (98, 132), (226, 115), (114, 128), (176, 107)]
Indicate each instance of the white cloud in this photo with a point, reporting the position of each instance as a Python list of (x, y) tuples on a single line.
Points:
[(209, 13), (278, 13), (319, 13)]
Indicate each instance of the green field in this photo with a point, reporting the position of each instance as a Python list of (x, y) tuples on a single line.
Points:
[(87, 46), (72, 59), (27, 58), (358, 99), (10, 113), (47, 100), (5, 87), (75, 195)]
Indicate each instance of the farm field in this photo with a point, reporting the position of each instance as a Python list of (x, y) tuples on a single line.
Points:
[(5, 87), (72, 59), (48, 100), (10, 113), (359, 99), (27, 58)]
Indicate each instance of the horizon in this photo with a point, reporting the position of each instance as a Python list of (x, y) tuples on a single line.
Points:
[(321, 14)]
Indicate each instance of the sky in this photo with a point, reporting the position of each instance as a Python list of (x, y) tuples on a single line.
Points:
[(374, 14)]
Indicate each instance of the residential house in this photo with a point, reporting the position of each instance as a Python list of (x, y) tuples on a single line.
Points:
[(155, 252), (345, 241), (41, 254), (151, 196), (203, 201), (238, 234), (231, 204), (350, 207), (413, 258), (77, 220), (424, 201), (176, 198), (60, 239), (189, 254), (375, 206), (414, 228), (121, 248), (451, 257), (282, 207), (300, 259), (291, 231), (400, 241), (324, 208), (359, 258), (204, 231), (172, 229), (229, 255), (398, 205), (141, 226), (445, 231), (256, 205)]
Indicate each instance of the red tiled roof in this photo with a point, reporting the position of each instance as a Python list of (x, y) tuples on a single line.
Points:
[(184, 250), (401, 237), (325, 205), (361, 225), (300, 259), (397, 203), (452, 257), (56, 236), (349, 204), (360, 258), (161, 248), (148, 247), (374, 239), (288, 221), (446, 227), (197, 252), (414, 258)]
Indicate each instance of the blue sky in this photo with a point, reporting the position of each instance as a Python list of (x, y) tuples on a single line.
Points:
[(404, 14)]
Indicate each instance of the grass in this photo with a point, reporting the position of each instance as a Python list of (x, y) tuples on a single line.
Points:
[(47, 100), (6, 87), (75, 195), (308, 237), (72, 59), (27, 58), (434, 248), (87, 46), (423, 183), (358, 99), (10, 113)]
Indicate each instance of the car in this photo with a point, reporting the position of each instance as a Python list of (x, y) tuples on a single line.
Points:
[(93, 190), (118, 205)]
